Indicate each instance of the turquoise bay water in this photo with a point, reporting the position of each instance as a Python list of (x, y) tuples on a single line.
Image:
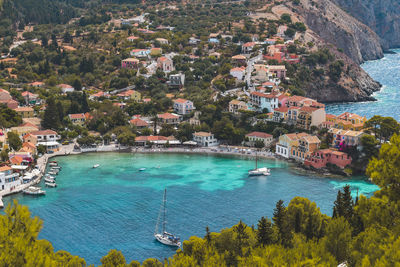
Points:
[(116, 206), (387, 72)]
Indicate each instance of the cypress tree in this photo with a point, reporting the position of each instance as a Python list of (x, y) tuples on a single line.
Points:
[(60, 110), (338, 205), (241, 237), (51, 118), (208, 236), (309, 231), (282, 223), (297, 222), (264, 232), (84, 103), (347, 202)]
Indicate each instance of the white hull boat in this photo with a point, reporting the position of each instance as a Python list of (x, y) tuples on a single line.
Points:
[(35, 191), (49, 180), (259, 171), (52, 173), (53, 164), (51, 184), (96, 166), (164, 237)]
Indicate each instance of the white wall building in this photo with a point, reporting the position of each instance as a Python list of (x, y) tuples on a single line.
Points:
[(183, 106), (8, 179), (205, 139), (261, 101)]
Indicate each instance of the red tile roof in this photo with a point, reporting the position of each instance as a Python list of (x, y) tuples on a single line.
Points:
[(139, 123), (259, 135), (180, 100), (166, 116), (44, 132), (77, 116)]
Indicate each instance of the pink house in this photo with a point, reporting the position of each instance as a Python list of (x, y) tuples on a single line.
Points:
[(130, 63), (165, 64), (321, 158)]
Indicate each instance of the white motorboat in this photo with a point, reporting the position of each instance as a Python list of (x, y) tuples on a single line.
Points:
[(51, 184), (96, 166), (53, 164), (35, 191), (55, 170), (49, 176), (164, 237), (56, 167), (52, 173), (259, 171), (49, 180), (142, 169)]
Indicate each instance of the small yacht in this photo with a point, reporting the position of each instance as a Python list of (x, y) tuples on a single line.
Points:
[(56, 167), (52, 173), (259, 171), (96, 166), (53, 164), (35, 191), (55, 170), (51, 184), (164, 237), (142, 169)]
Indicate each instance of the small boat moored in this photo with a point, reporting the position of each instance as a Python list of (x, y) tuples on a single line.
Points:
[(259, 171), (52, 173), (142, 169), (49, 180), (35, 191), (51, 184), (96, 166)]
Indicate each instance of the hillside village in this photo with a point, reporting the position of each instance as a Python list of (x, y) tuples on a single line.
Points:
[(216, 91)]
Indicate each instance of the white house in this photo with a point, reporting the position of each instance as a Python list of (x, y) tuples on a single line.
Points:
[(205, 139), (183, 106), (260, 136), (8, 179), (264, 101), (140, 52), (248, 47), (238, 73), (66, 88), (47, 138)]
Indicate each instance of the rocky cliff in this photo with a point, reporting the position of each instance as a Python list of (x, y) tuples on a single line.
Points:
[(382, 16), (339, 28)]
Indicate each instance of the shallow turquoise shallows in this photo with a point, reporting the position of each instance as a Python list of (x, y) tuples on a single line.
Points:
[(387, 72), (116, 206)]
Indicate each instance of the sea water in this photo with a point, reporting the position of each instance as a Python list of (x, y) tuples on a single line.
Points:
[(387, 72), (115, 206)]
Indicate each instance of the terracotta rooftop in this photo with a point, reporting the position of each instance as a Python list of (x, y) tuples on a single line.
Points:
[(259, 135)]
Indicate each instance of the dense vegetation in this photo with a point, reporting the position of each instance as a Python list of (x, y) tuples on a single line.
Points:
[(361, 232)]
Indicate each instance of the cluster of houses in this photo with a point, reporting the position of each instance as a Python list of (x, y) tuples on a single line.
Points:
[(306, 115)]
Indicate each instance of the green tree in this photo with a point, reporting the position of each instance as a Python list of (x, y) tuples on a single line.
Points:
[(14, 141), (385, 170), (114, 258), (265, 232), (51, 118), (281, 222), (338, 238)]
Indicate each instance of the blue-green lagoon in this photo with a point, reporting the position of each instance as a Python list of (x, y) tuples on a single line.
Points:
[(116, 206)]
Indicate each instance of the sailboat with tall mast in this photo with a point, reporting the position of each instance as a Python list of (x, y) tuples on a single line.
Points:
[(164, 237), (259, 171)]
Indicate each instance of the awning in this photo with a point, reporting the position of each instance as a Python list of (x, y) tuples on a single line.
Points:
[(190, 143)]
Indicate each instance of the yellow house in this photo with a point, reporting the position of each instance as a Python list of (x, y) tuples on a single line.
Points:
[(155, 51), (25, 112), (130, 94)]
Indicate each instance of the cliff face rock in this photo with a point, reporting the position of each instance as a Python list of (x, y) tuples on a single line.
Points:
[(354, 84), (342, 30), (382, 16)]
